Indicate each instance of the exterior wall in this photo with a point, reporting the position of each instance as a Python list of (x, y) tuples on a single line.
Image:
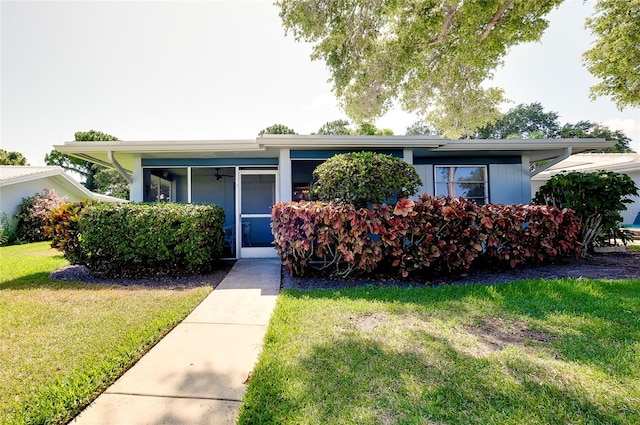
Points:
[(535, 185), (425, 171), (136, 193), (12, 194), (508, 177), (285, 181), (509, 184), (633, 209)]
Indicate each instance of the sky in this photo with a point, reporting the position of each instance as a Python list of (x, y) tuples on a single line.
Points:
[(177, 70)]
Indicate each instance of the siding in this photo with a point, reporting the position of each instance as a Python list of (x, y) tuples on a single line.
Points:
[(509, 184), (425, 171)]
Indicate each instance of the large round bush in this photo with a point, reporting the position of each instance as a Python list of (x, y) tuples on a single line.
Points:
[(364, 178)]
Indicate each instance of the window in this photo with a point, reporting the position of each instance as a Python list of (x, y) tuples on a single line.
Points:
[(159, 189), (462, 181)]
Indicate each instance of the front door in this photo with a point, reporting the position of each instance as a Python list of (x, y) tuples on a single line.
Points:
[(257, 194)]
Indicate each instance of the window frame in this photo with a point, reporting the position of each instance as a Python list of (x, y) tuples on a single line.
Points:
[(485, 182), (158, 192)]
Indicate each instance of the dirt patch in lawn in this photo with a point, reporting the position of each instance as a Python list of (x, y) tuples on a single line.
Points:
[(369, 322), (498, 333), (624, 265)]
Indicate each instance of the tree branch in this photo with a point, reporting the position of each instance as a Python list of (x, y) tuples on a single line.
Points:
[(496, 17), (446, 24)]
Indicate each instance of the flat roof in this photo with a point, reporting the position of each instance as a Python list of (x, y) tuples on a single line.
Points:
[(269, 146)]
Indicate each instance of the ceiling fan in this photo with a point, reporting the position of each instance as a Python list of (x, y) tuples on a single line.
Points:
[(218, 176)]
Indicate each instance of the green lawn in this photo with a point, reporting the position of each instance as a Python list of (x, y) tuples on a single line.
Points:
[(535, 352), (61, 343)]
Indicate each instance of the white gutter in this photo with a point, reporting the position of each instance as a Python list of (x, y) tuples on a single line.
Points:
[(118, 167), (565, 154)]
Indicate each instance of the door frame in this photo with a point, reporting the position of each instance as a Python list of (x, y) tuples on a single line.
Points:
[(253, 252)]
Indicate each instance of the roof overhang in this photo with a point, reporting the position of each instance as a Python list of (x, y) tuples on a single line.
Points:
[(617, 162), (124, 152), (58, 175)]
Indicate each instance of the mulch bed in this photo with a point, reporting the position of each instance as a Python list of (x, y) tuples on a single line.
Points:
[(597, 266), (82, 274)]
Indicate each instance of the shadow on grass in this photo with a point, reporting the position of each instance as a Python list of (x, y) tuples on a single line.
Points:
[(361, 382), (42, 280), (599, 316), (354, 379)]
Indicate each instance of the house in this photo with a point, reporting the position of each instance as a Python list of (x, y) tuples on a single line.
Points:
[(246, 177), (17, 182), (626, 163)]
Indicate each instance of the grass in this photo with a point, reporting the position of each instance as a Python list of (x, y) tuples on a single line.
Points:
[(62, 343), (533, 352)]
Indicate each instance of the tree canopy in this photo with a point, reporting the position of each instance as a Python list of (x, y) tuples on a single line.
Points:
[(336, 127), (615, 56), (523, 122), (343, 127), (533, 122), (97, 178), (430, 55), (420, 128), (12, 158), (584, 129), (277, 129)]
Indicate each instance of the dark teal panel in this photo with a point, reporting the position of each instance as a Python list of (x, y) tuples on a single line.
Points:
[(464, 160), (202, 162), (328, 153)]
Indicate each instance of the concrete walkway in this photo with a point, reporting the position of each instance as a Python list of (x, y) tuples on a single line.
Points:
[(195, 374)]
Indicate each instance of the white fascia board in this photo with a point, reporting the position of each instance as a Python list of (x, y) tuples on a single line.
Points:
[(525, 144), (335, 142), (160, 146)]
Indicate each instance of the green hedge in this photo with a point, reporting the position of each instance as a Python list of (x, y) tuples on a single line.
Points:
[(138, 240)]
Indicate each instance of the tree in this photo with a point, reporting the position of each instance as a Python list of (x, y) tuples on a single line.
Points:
[(615, 56), (277, 129), (586, 129), (420, 128), (12, 158), (597, 198), (97, 178), (341, 127), (337, 127), (430, 55), (368, 129), (523, 122), (83, 167), (110, 182)]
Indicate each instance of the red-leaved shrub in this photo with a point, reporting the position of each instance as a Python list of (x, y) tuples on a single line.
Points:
[(427, 235)]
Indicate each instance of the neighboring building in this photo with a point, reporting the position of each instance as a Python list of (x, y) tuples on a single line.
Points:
[(246, 177), (626, 163), (18, 182)]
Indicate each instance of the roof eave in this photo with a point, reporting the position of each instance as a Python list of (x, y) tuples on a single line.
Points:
[(337, 141)]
